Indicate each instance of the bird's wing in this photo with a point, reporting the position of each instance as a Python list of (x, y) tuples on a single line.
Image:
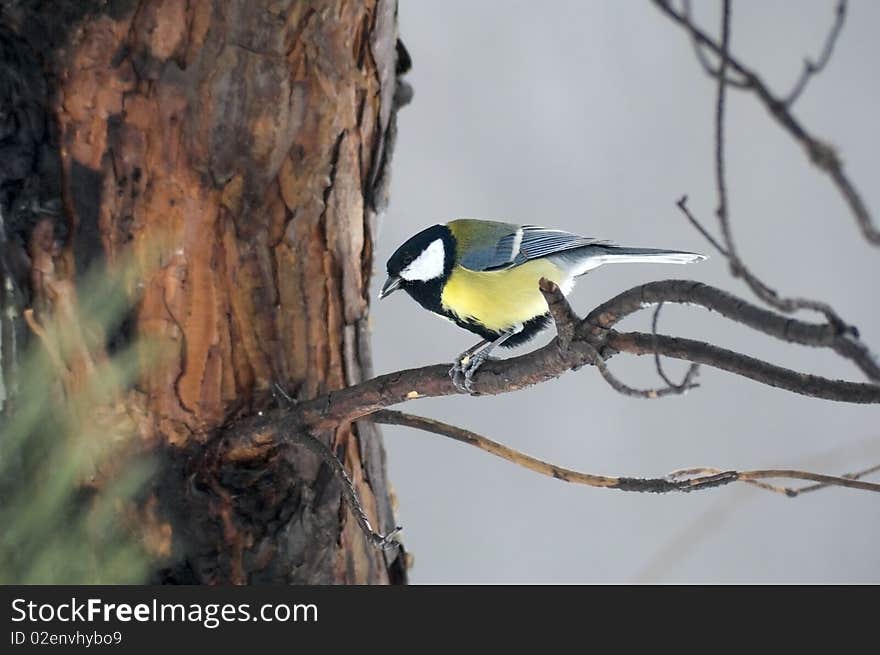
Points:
[(496, 246), (512, 245), (541, 242)]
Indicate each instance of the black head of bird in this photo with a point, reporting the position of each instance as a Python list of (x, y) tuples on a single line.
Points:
[(483, 276)]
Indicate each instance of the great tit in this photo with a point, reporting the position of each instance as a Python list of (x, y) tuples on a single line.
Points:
[(483, 276)]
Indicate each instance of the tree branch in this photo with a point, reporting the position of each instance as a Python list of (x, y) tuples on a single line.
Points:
[(566, 328), (701, 54), (812, 68), (693, 370), (755, 478), (758, 370), (579, 342), (821, 154), (729, 250), (594, 334), (349, 493), (682, 481), (626, 390), (784, 328)]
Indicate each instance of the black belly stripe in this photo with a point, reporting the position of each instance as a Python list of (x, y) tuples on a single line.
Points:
[(530, 329), (427, 294)]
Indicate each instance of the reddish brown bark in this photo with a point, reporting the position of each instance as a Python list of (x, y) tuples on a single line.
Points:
[(232, 148)]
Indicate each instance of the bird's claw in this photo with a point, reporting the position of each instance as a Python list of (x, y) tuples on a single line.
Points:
[(463, 370), (457, 375)]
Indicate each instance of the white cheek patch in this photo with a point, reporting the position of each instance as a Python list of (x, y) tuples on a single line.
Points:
[(428, 265)]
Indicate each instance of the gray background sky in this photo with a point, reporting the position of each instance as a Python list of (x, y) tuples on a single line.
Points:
[(595, 117)]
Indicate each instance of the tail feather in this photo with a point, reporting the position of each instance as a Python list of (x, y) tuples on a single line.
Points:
[(582, 260), (617, 254)]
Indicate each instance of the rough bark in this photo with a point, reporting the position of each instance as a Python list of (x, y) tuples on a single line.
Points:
[(233, 148)]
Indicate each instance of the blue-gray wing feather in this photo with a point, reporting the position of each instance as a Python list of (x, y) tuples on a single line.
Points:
[(542, 242), (512, 246), (495, 249)]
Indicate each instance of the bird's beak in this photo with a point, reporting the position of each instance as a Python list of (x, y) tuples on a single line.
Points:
[(391, 285)]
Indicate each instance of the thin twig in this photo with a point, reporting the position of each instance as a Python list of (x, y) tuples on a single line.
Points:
[(620, 387), (759, 287), (711, 520), (690, 350), (682, 481), (681, 474), (849, 343), (822, 485), (566, 327), (821, 154), (851, 480), (692, 372), (682, 205), (609, 313), (312, 443), (377, 540), (704, 60), (721, 186), (738, 267), (812, 68)]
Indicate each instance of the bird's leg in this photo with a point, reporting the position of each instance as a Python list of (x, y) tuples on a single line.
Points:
[(472, 358), (461, 362), (477, 359)]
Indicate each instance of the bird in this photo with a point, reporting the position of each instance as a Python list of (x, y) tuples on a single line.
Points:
[(484, 276)]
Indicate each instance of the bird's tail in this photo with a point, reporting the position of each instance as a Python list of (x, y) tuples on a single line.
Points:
[(618, 254)]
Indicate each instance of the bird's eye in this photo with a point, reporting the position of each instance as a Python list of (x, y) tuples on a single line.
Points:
[(407, 260)]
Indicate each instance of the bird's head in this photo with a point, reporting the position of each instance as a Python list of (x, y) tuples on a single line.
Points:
[(425, 258)]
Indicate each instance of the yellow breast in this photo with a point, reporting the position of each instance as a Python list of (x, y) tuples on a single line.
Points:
[(499, 300)]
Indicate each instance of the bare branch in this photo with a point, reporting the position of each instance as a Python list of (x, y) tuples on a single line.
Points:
[(822, 485), (560, 309), (760, 288), (609, 313), (566, 325), (737, 266), (682, 205), (389, 417), (703, 59), (720, 183), (580, 342), (595, 334), (812, 68), (337, 468), (710, 520), (700, 352), (755, 478), (693, 370), (681, 481), (620, 387), (821, 154), (349, 493)]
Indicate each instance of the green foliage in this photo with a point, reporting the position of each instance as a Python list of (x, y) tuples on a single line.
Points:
[(70, 464)]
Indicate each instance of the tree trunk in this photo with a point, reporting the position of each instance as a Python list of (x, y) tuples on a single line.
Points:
[(236, 150)]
